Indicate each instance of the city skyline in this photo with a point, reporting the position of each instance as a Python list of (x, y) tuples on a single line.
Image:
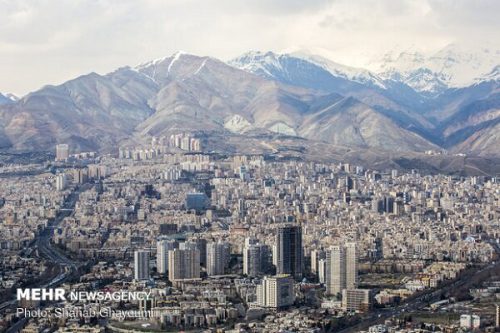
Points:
[(239, 166), (244, 242)]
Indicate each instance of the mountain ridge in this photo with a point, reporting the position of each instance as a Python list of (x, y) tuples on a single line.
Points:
[(421, 113), (260, 94)]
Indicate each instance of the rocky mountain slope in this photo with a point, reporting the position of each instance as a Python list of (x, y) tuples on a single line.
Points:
[(257, 95), (455, 119)]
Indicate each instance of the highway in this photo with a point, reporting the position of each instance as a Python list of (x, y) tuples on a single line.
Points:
[(45, 249), (69, 267), (422, 300), (44, 246)]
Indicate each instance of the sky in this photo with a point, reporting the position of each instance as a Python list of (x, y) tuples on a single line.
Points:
[(51, 41)]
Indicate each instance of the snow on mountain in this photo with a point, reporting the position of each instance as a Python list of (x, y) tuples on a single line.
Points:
[(359, 75), (8, 98), (237, 124), (462, 65), (306, 96), (12, 97), (151, 68), (454, 66), (265, 64), (154, 62), (282, 128), (271, 65), (494, 75)]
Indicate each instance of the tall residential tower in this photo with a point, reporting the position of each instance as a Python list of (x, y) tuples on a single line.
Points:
[(289, 251)]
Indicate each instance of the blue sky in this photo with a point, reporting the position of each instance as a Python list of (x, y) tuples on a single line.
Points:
[(51, 41)]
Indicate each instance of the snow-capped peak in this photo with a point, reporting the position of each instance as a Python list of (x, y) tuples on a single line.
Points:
[(12, 97), (267, 62), (257, 62), (154, 62), (351, 73), (453, 66), (8, 98), (494, 75)]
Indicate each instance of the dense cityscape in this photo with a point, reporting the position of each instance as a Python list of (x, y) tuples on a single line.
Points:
[(245, 243), (236, 166)]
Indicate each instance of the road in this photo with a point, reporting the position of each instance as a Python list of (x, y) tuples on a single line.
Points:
[(43, 244), (45, 249), (422, 300)]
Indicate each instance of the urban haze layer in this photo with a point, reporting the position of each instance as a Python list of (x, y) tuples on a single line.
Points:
[(165, 237)]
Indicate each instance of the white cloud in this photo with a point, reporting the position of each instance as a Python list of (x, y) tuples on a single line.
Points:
[(50, 41)]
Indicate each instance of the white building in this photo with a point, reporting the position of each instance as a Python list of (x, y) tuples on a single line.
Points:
[(322, 271), (61, 182), (335, 270), (470, 321), (162, 248), (341, 268), (276, 291), (218, 255), (356, 299), (351, 262), (316, 256), (62, 152), (183, 264)]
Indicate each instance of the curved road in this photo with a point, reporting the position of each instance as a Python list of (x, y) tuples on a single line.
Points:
[(46, 250)]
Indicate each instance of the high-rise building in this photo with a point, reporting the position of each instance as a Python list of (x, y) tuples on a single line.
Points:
[(335, 270), (316, 256), (348, 183), (80, 176), (162, 248), (356, 299), (62, 152), (141, 265), (389, 204), (97, 172), (186, 143), (497, 315), (61, 182), (201, 245), (255, 258), (274, 250), (289, 251), (183, 264), (276, 291), (218, 255), (342, 268), (241, 208), (195, 145), (377, 205), (351, 263), (322, 270)]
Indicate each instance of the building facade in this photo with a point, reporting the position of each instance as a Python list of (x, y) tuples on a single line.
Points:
[(289, 252)]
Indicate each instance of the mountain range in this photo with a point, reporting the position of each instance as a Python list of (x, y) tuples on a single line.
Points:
[(453, 66), (266, 96), (459, 119), (8, 98)]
